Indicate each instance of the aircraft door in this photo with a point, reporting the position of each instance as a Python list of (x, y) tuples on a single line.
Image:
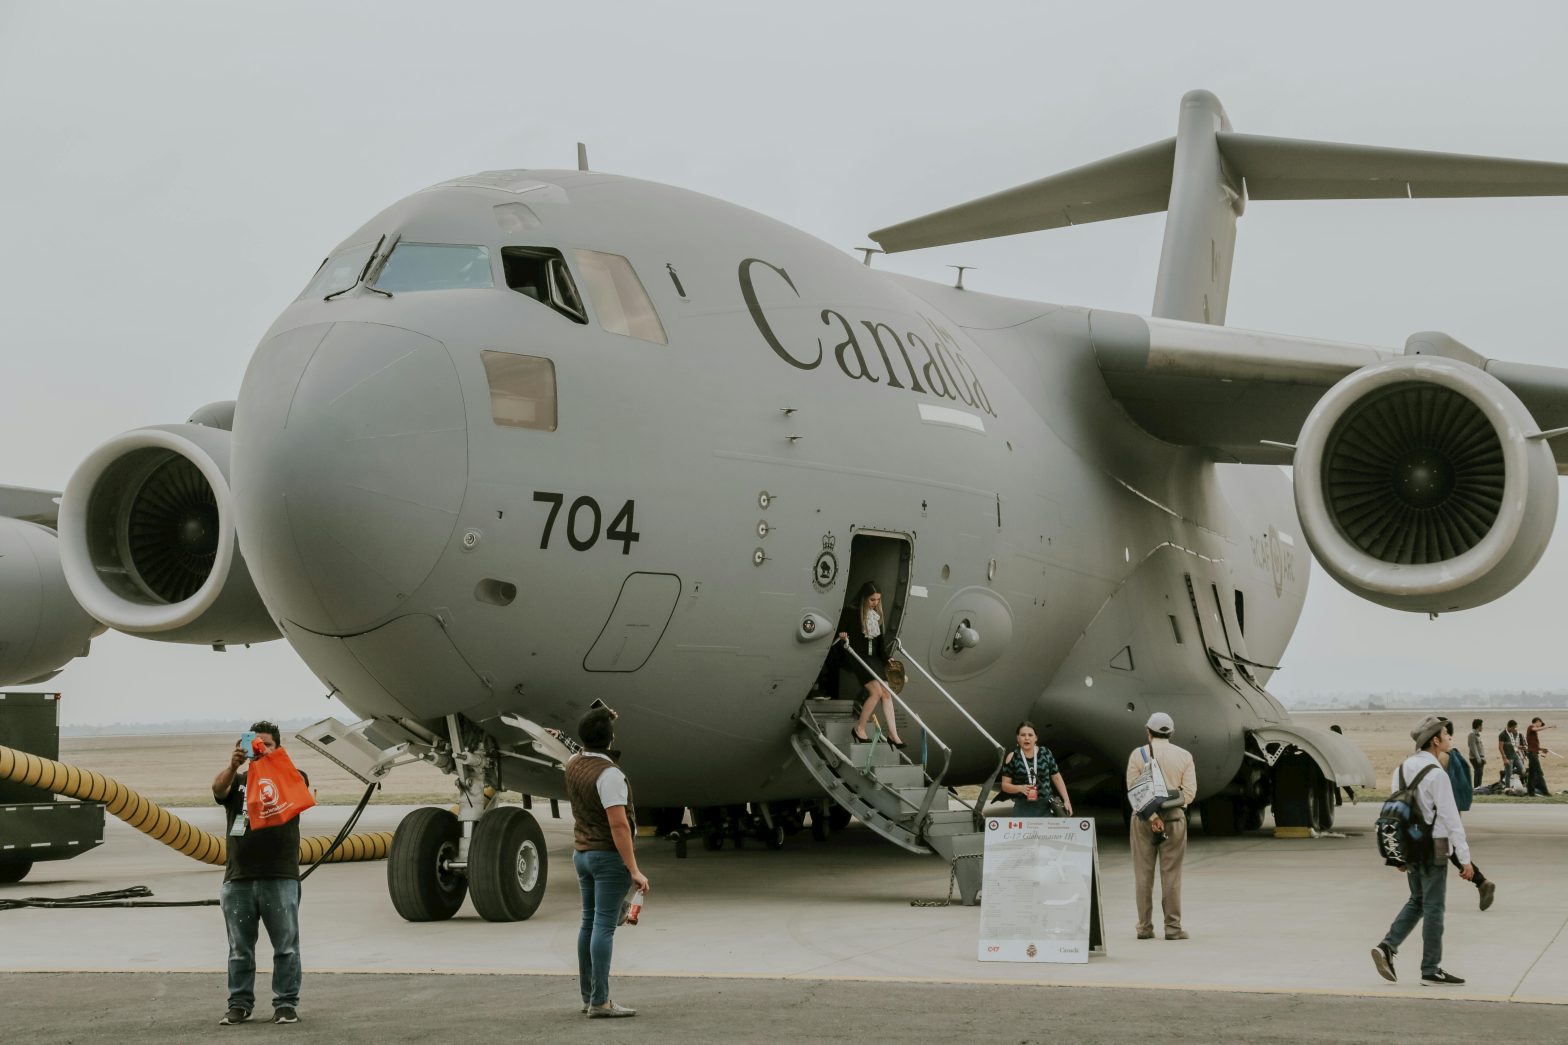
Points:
[(885, 559)]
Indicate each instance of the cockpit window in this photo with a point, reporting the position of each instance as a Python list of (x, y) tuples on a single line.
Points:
[(619, 300), (541, 273), (339, 272), (522, 390), (435, 266)]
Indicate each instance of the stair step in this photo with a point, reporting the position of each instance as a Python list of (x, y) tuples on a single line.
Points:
[(831, 709), (871, 754), (901, 776), (916, 795), (949, 822)]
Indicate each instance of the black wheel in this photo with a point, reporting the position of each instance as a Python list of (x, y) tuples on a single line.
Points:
[(668, 819), (838, 818), (14, 870), (1252, 816), (421, 886), (1220, 818), (507, 865), (713, 841), (821, 825), (1322, 798), (771, 837)]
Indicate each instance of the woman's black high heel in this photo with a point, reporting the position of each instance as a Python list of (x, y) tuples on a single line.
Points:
[(859, 736)]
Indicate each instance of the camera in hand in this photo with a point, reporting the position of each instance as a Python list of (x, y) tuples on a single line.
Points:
[(1159, 838)]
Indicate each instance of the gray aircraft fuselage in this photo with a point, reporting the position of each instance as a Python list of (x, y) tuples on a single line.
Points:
[(810, 423)]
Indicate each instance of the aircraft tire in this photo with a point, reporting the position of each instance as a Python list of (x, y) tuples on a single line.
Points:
[(838, 818), (14, 870), (771, 837), (1220, 816), (821, 826), (1252, 816), (713, 841), (1322, 798), (421, 890), (508, 867)]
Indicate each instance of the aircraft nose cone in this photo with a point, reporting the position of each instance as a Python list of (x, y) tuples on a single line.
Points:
[(350, 466)]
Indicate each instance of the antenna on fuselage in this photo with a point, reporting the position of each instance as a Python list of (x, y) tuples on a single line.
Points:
[(961, 269), (582, 156), (868, 251)]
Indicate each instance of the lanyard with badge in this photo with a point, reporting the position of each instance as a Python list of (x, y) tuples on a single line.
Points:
[(242, 818)]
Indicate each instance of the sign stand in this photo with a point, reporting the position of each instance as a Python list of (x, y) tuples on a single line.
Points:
[(1042, 891)]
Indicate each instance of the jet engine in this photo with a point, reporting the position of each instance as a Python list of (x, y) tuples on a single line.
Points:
[(148, 543), (1422, 484), (41, 625)]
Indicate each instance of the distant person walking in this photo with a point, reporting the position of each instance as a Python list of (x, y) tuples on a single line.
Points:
[(1428, 881), (1162, 838), (1477, 755), (1509, 745), (603, 854), (1535, 783)]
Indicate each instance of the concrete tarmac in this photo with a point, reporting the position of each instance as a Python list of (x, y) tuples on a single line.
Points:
[(823, 936)]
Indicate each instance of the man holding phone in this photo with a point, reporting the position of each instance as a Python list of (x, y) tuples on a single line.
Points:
[(260, 886)]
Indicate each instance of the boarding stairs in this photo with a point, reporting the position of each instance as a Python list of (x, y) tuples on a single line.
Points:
[(903, 799)]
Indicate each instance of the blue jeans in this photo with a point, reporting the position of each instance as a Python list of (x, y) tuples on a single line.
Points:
[(275, 903), (1428, 891), (603, 879)]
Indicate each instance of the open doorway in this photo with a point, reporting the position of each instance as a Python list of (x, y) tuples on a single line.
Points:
[(883, 558)]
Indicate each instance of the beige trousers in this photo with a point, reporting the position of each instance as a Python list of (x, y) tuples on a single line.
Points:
[(1169, 855)]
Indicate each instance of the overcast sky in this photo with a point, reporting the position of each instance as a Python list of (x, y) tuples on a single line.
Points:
[(172, 174)]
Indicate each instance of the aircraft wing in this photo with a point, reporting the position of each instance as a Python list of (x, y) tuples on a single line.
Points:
[(35, 506), (1245, 394)]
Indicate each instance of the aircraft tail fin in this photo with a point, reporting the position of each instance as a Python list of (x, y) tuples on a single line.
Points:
[(1203, 178)]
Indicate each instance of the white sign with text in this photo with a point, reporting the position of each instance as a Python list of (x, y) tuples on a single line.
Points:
[(1039, 882)]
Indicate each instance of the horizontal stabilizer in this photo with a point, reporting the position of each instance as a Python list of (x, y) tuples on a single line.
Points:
[(1139, 182), (1290, 169), (1136, 182)]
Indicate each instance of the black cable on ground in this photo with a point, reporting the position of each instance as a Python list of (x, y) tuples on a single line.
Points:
[(344, 833), (112, 898)]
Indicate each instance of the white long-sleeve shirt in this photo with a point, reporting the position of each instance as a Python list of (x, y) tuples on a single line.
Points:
[(1435, 800)]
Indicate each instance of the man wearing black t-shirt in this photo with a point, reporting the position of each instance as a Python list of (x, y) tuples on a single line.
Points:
[(260, 885)]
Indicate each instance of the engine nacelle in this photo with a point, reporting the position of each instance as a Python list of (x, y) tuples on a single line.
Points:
[(41, 626), (1419, 488), (148, 544)]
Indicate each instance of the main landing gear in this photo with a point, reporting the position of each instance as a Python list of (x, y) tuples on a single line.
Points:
[(493, 854)]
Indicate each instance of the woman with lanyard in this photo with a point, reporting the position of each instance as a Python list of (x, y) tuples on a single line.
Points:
[(1027, 770)]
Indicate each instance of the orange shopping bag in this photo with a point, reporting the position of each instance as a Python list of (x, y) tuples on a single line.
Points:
[(275, 793)]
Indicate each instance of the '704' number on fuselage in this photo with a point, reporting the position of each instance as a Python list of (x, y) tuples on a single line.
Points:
[(582, 522)]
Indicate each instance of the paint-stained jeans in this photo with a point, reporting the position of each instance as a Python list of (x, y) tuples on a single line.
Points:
[(273, 902), (1428, 893), (603, 879)]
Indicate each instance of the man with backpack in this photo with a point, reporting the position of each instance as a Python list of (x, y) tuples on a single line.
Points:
[(1417, 832)]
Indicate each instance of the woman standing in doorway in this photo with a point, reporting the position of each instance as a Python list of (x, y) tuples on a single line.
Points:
[(1030, 775), (862, 628)]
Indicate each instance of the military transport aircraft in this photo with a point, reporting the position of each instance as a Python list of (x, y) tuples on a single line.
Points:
[(531, 438)]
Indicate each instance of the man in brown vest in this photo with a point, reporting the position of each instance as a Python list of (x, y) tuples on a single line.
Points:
[(604, 858)]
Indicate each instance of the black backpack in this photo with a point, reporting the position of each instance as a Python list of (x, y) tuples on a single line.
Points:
[(1403, 838)]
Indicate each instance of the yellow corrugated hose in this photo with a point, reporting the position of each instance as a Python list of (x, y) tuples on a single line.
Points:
[(158, 823)]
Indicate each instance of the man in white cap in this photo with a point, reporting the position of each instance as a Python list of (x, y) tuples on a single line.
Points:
[(1428, 881), (1162, 837)]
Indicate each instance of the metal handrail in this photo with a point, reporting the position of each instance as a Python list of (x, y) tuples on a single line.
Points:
[(947, 752), (1001, 752)]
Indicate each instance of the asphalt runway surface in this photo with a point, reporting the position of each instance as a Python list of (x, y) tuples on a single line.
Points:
[(164, 1008)]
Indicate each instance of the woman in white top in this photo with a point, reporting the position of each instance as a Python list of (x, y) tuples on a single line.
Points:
[(862, 627)]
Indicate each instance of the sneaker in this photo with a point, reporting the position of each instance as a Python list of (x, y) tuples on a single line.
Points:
[(1145, 934), (610, 1011), (1383, 958), (234, 1017), (1488, 891), (285, 1014), (1441, 979), (1177, 934)]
